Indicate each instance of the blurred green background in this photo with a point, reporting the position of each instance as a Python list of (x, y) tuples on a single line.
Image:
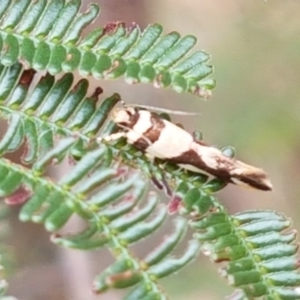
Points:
[(255, 108)]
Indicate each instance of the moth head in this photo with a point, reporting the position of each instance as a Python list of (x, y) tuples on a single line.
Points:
[(125, 116)]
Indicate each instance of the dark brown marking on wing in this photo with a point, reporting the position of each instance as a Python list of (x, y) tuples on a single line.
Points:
[(152, 134), (192, 158), (256, 179)]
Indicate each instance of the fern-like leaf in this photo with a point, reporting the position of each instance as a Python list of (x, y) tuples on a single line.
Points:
[(40, 112), (262, 259), (109, 199), (48, 37)]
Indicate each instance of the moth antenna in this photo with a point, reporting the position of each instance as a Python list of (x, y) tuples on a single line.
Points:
[(124, 127), (164, 110)]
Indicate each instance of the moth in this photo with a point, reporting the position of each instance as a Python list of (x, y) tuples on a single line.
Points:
[(162, 139)]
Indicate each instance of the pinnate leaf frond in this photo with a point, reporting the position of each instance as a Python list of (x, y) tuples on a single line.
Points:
[(112, 202), (260, 249), (48, 36)]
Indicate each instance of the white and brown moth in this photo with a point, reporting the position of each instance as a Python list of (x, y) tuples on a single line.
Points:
[(159, 138)]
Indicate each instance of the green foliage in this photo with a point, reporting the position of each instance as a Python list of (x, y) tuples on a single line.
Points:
[(54, 119), (48, 37)]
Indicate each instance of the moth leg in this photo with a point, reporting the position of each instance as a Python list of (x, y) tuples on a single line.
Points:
[(158, 179), (166, 186), (112, 137), (160, 182)]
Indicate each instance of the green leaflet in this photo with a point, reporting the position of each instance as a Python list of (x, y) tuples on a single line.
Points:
[(260, 255), (48, 37), (47, 108)]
